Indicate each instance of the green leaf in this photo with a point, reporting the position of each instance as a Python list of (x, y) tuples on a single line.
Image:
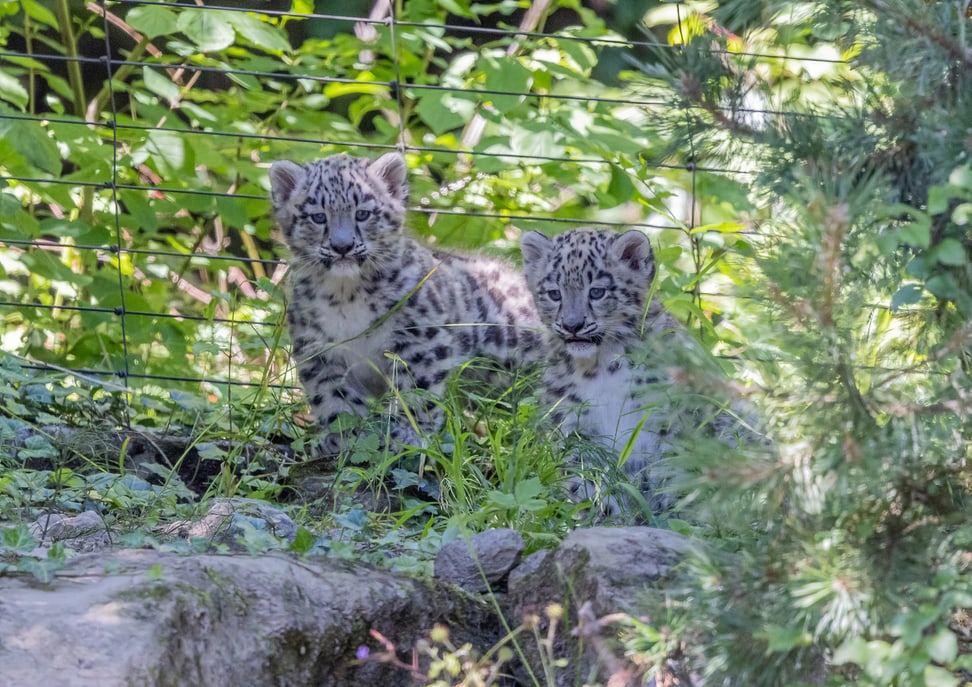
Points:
[(916, 233), (17, 538), (502, 499), (781, 638), (160, 84), (942, 646), (444, 111), (962, 214), (909, 294), (619, 189), (12, 91), (167, 150), (259, 33), (38, 12), (153, 20), (303, 541), (210, 30), (31, 140), (505, 75), (939, 677), (950, 252), (302, 7), (961, 177), (536, 139)]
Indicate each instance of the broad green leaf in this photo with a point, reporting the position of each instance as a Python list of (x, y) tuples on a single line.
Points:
[(909, 294), (505, 75), (961, 177), (916, 233), (210, 30), (260, 33), (939, 677), (950, 252), (12, 91), (303, 541), (152, 20), (17, 538), (536, 139), (962, 214), (232, 212), (942, 646), (444, 111), (160, 84), (167, 150), (619, 189), (31, 140)]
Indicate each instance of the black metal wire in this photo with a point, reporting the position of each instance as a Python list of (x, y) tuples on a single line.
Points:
[(397, 87)]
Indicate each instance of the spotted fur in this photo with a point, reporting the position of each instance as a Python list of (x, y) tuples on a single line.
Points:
[(364, 296), (591, 291)]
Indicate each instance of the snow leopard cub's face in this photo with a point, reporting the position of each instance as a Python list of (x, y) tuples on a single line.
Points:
[(341, 214), (590, 286)]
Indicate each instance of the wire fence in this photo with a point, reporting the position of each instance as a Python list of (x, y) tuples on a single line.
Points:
[(135, 238)]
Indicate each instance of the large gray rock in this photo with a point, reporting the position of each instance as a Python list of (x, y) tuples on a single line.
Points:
[(231, 521), (481, 562), (83, 532), (595, 573), (139, 617)]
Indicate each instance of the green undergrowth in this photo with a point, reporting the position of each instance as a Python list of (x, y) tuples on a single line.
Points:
[(70, 443)]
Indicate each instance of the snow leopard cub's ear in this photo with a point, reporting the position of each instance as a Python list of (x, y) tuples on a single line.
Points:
[(535, 248), (632, 251), (392, 170), (286, 178)]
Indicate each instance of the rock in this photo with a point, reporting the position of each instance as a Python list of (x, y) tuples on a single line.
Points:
[(235, 521), (481, 562), (164, 620), (85, 531), (596, 572)]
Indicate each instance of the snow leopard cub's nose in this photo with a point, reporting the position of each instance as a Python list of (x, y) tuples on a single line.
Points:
[(572, 324), (342, 239)]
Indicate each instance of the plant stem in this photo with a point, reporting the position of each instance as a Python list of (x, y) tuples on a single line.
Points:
[(75, 79)]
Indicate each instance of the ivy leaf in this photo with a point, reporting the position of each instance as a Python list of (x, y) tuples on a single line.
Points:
[(17, 538)]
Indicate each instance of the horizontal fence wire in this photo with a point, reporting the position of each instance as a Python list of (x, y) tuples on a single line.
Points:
[(134, 275)]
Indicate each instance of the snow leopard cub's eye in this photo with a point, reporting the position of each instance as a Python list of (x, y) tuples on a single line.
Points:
[(362, 215), (554, 295), (319, 218), (597, 292)]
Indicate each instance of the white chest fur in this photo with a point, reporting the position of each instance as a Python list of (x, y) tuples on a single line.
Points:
[(614, 408)]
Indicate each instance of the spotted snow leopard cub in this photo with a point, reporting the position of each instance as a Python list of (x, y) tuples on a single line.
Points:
[(591, 291), (364, 296)]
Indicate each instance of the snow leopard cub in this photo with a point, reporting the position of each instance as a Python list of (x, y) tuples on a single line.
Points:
[(591, 291), (370, 307)]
